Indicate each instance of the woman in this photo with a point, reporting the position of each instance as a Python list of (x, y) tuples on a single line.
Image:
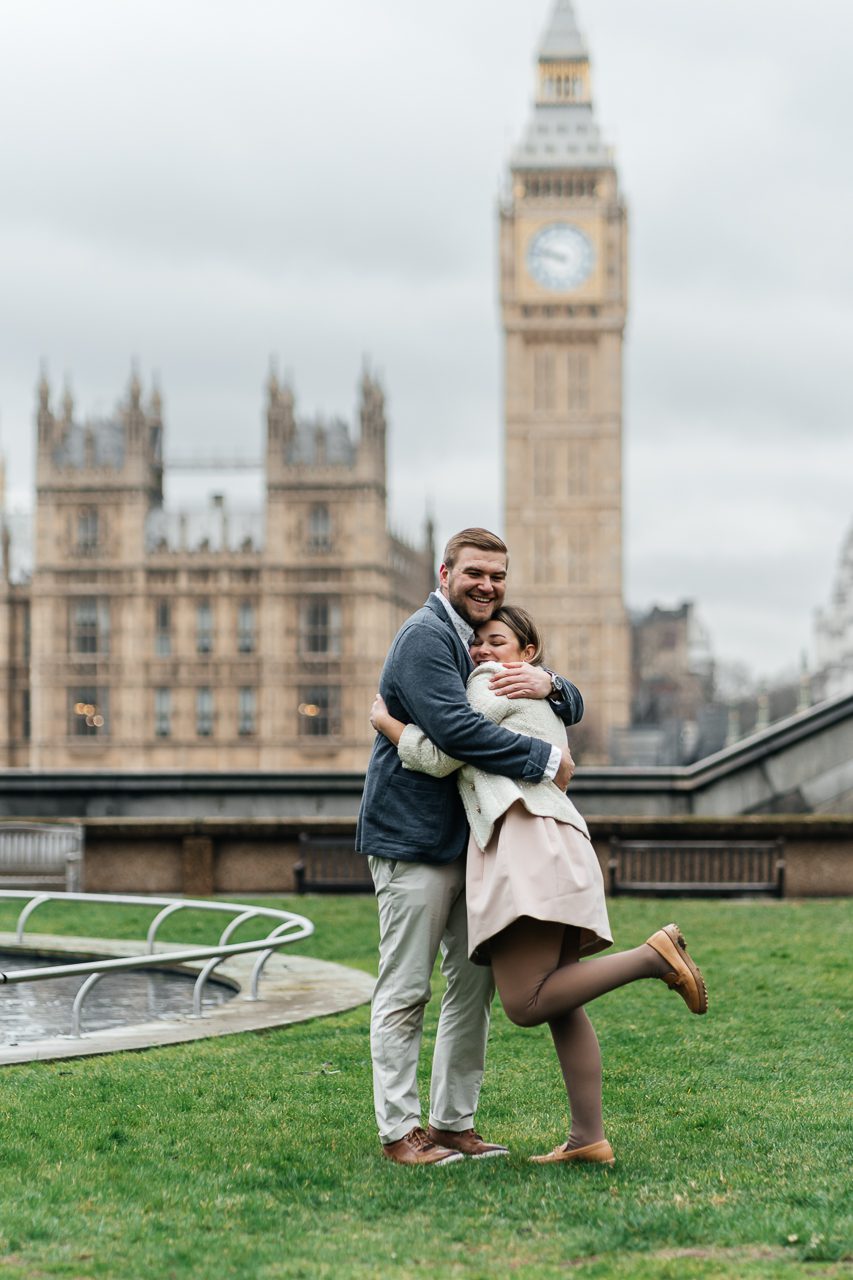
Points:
[(535, 891)]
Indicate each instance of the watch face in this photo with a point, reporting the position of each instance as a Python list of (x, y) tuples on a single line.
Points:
[(560, 256)]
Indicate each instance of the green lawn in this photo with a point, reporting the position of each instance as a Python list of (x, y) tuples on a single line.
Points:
[(255, 1156)]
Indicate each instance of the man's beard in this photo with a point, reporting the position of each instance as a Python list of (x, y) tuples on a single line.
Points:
[(459, 601)]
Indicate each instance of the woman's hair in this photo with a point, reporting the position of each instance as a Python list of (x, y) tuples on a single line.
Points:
[(480, 539), (522, 627)]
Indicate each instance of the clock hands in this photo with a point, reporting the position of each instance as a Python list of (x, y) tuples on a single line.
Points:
[(562, 258)]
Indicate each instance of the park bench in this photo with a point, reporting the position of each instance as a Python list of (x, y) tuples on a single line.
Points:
[(36, 856), (330, 865), (697, 868)]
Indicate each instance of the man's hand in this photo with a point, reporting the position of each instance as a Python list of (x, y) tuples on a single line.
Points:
[(566, 770), (521, 680)]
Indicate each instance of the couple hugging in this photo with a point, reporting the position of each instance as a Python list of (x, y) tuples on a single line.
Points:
[(471, 753)]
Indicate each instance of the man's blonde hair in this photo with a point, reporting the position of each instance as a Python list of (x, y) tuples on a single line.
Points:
[(482, 539)]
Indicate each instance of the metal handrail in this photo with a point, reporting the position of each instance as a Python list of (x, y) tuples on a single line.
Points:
[(289, 927), (77, 1007), (261, 961), (35, 901), (200, 982), (157, 921)]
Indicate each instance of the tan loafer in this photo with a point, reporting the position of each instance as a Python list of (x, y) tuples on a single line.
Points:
[(594, 1153), (684, 976)]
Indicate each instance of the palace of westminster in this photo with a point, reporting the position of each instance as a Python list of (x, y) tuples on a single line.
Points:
[(145, 639), (140, 638)]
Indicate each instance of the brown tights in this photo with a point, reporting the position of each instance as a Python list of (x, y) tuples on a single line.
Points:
[(539, 979)]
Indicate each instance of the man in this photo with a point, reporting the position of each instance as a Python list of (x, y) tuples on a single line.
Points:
[(413, 829)]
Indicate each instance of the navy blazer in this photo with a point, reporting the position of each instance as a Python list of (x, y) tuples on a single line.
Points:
[(412, 816)]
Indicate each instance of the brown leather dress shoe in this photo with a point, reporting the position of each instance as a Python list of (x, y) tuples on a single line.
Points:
[(467, 1142), (417, 1148), (684, 976), (594, 1153)]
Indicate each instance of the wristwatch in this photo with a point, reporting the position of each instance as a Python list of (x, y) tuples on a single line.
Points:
[(558, 687)]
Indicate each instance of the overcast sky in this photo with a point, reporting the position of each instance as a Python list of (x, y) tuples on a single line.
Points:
[(200, 184)]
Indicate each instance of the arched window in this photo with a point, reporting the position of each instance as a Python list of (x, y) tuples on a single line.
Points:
[(543, 379), (246, 627), (163, 628), (319, 528), (247, 711), (203, 627), (578, 379), (90, 625), (204, 712), (319, 711), (320, 632), (163, 713), (87, 530)]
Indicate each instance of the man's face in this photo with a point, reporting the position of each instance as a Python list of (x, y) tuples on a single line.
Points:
[(476, 584)]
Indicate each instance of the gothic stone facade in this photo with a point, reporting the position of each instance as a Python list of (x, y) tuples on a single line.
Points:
[(146, 639), (563, 281)]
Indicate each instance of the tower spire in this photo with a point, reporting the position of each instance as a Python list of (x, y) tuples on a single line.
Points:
[(563, 61), (562, 132), (562, 38)]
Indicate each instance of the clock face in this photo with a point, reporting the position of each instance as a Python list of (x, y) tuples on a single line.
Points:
[(560, 256)]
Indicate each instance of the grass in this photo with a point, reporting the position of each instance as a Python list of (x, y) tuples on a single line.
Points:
[(255, 1155)]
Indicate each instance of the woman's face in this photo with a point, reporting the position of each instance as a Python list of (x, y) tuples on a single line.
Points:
[(496, 642)]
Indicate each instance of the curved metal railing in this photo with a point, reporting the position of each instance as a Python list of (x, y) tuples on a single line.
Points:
[(289, 927)]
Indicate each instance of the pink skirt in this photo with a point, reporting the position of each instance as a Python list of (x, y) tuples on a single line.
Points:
[(537, 867)]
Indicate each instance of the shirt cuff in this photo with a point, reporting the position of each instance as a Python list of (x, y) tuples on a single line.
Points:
[(554, 761)]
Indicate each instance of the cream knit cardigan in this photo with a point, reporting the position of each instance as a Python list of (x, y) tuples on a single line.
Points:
[(487, 796)]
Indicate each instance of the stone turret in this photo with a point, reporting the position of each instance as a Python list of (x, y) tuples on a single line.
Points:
[(125, 448), (372, 414), (45, 421), (155, 428), (67, 405), (281, 421), (133, 416), (96, 479), (429, 541)]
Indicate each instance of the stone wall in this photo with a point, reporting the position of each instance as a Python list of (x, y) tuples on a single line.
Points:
[(255, 856)]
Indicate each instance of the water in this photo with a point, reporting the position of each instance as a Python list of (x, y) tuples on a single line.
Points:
[(39, 1010)]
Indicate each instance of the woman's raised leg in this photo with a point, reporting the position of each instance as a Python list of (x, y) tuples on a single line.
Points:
[(537, 986), (539, 979)]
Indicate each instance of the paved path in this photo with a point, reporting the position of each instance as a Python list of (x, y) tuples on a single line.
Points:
[(293, 989)]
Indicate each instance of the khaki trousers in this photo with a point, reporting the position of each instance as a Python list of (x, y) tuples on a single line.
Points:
[(421, 911)]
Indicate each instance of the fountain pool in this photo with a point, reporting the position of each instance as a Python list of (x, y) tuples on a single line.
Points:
[(41, 1010)]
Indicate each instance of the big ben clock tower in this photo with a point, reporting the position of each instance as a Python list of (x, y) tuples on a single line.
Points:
[(563, 298)]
